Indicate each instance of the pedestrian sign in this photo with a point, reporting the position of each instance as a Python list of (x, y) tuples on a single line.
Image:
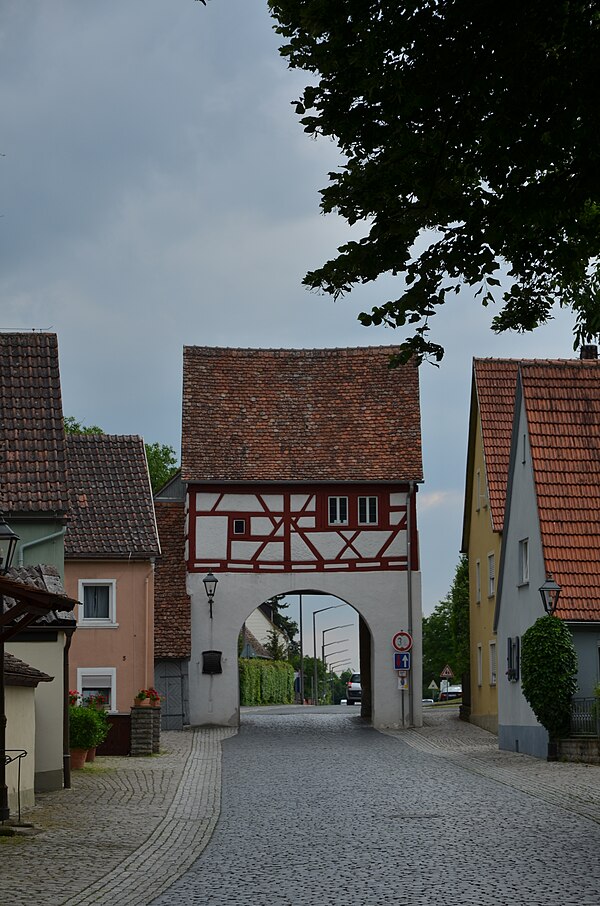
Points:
[(402, 660), (447, 672), (403, 683)]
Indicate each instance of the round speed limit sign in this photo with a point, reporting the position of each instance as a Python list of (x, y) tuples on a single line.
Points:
[(402, 641)]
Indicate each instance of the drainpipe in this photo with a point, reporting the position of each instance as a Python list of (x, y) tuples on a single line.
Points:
[(410, 498), (66, 750), (37, 541)]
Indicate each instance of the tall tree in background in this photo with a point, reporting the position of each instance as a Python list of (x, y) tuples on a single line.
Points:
[(470, 130), (446, 631), (162, 462)]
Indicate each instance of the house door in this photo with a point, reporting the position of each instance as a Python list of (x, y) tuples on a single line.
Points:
[(171, 680)]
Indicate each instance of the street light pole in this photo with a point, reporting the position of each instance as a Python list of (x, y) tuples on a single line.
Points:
[(315, 612)]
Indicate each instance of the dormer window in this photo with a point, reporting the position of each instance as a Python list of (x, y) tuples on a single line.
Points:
[(338, 511)]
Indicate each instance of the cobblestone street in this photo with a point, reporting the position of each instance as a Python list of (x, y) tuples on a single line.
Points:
[(315, 808)]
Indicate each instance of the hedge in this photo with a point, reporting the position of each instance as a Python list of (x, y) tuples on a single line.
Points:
[(266, 682)]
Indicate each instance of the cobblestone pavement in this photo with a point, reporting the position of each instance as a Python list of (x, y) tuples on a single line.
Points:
[(316, 808), (123, 833), (320, 810)]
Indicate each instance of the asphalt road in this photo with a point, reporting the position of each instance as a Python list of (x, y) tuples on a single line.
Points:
[(318, 809)]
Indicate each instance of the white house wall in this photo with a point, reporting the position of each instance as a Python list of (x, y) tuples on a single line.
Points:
[(520, 605)]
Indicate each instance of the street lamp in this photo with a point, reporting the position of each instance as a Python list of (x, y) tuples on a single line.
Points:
[(550, 592), (210, 586), (331, 629), (8, 543), (315, 612)]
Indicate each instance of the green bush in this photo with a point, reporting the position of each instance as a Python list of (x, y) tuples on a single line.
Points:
[(88, 727), (266, 682), (548, 672)]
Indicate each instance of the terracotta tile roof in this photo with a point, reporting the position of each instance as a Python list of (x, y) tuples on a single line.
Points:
[(495, 384), (172, 637), (562, 401), (32, 442), (299, 415), (43, 578), (111, 513)]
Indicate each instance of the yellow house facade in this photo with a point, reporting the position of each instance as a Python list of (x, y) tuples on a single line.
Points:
[(490, 427)]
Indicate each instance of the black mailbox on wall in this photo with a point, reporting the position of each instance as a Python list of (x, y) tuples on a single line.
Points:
[(211, 662)]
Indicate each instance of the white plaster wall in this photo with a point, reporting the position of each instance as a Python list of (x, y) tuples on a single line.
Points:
[(20, 734), (381, 598), (520, 605), (260, 627), (47, 657)]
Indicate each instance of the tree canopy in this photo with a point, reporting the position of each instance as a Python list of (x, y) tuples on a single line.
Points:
[(470, 132), (446, 630)]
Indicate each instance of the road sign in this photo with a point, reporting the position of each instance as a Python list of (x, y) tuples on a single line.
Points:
[(402, 641), (447, 672), (401, 660), (433, 685), (403, 683), (403, 673)]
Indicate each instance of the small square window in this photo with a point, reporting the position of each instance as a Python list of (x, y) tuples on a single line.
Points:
[(98, 599), (338, 511), (367, 510), (239, 526), (93, 682)]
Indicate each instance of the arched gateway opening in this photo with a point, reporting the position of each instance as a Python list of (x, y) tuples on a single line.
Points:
[(301, 469)]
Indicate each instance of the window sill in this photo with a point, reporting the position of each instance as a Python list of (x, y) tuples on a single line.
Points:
[(90, 624), (523, 584)]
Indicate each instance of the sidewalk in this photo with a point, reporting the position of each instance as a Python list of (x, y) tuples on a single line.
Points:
[(131, 826), (571, 786), (125, 831)]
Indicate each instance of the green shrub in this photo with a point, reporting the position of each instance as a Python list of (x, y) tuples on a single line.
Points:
[(548, 672), (266, 682), (88, 727)]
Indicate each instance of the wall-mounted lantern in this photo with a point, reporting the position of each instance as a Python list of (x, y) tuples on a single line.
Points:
[(210, 584), (8, 543), (550, 592)]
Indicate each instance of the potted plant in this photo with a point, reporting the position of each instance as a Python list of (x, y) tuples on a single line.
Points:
[(154, 698), (102, 727), (142, 699), (83, 731)]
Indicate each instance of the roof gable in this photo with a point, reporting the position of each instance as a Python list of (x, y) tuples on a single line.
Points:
[(562, 405), (110, 499), (299, 415), (32, 440)]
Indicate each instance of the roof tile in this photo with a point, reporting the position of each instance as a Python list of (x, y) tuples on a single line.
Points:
[(299, 415), (111, 507), (172, 638)]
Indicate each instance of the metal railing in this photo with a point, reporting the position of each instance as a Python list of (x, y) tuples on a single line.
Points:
[(585, 717), (17, 755)]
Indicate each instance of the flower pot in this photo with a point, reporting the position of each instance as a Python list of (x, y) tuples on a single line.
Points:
[(142, 702), (156, 704), (78, 757), (91, 754)]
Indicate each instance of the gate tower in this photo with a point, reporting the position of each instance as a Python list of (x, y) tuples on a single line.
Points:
[(301, 468)]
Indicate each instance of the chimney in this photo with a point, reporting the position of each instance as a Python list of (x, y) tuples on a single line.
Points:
[(588, 352)]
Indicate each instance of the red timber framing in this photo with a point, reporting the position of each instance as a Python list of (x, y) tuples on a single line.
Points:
[(300, 528)]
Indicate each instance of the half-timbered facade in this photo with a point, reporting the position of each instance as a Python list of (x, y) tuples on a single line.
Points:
[(301, 468)]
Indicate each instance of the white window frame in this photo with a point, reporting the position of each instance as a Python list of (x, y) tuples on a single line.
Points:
[(493, 664), (337, 521), (491, 575), (368, 521), (524, 561), (478, 581), (89, 623), (479, 665), (86, 673)]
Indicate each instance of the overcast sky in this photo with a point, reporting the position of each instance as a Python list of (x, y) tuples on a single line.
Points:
[(157, 190)]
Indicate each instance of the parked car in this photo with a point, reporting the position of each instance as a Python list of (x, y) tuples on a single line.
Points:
[(353, 689)]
